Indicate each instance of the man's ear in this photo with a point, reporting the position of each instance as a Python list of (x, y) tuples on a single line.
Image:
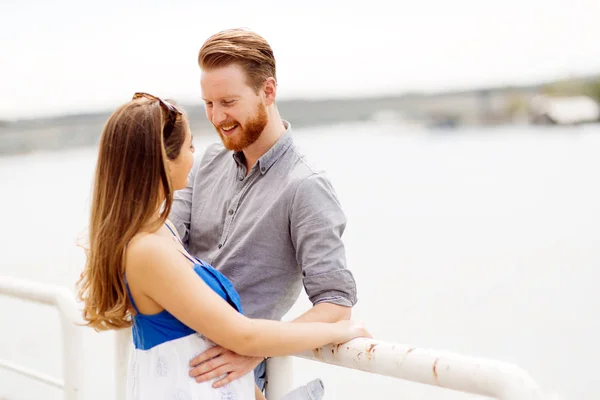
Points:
[(270, 90)]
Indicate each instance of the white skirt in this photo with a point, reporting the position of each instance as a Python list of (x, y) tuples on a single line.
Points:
[(162, 373)]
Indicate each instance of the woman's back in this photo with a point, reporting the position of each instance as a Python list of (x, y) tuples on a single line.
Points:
[(163, 347)]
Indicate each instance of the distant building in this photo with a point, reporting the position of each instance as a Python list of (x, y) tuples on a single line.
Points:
[(566, 110)]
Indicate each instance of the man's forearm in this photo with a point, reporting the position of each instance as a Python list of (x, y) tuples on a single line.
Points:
[(325, 312)]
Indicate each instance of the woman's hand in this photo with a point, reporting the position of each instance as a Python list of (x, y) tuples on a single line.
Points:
[(350, 330)]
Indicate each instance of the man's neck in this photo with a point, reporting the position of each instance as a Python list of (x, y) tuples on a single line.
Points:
[(269, 136)]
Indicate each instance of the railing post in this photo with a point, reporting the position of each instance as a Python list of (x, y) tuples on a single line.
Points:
[(279, 377), (122, 349), (72, 335), (72, 342)]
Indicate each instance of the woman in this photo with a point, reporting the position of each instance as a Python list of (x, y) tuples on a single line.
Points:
[(139, 273)]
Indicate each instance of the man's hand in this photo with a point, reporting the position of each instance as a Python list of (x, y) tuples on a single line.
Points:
[(217, 361)]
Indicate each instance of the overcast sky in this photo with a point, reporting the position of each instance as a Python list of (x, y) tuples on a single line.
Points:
[(66, 56)]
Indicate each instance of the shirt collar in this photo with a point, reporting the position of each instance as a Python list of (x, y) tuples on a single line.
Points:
[(273, 154)]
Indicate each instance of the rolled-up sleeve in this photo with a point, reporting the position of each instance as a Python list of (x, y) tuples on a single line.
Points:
[(317, 223)]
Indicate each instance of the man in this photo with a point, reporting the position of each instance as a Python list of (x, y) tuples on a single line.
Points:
[(254, 208)]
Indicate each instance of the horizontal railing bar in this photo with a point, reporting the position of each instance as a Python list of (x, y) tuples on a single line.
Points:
[(38, 376), (443, 369)]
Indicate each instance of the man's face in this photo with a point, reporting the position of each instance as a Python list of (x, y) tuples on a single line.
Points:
[(233, 107)]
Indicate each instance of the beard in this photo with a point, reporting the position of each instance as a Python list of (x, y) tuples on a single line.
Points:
[(248, 133)]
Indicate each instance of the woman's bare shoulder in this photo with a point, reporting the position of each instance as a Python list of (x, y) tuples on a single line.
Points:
[(148, 250)]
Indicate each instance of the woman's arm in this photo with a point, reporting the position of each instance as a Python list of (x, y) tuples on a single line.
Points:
[(258, 394), (160, 272)]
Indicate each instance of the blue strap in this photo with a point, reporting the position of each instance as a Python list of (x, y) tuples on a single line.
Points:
[(172, 231), (182, 245), (188, 257), (130, 296)]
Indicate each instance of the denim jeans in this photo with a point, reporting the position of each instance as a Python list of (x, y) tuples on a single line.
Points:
[(260, 375), (314, 390)]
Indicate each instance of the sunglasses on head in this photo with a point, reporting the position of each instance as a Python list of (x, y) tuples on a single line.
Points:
[(172, 111)]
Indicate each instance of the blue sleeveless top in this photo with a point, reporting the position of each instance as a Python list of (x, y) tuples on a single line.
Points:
[(150, 330)]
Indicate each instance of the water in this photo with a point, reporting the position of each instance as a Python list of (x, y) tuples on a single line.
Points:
[(483, 242)]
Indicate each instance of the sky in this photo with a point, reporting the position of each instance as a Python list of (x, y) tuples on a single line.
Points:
[(65, 56)]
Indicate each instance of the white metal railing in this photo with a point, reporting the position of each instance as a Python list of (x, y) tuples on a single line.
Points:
[(72, 339), (443, 369)]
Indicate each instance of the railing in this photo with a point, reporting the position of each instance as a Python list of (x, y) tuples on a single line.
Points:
[(443, 369), (72, 339)]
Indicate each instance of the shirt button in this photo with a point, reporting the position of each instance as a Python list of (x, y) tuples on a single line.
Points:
[(230, 212), (241, 178), (262, 169), (220, 245)]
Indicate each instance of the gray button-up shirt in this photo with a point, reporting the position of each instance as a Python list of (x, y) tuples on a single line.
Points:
[(269, 231)]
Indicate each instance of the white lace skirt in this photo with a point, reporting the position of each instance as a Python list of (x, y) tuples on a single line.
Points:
[(162, 373)]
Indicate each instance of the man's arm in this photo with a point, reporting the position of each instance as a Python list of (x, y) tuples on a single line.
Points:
[(325, 312), (317, 223), (181, 211)]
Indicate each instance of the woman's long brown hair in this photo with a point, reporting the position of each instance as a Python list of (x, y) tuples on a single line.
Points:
[(131, 186)]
